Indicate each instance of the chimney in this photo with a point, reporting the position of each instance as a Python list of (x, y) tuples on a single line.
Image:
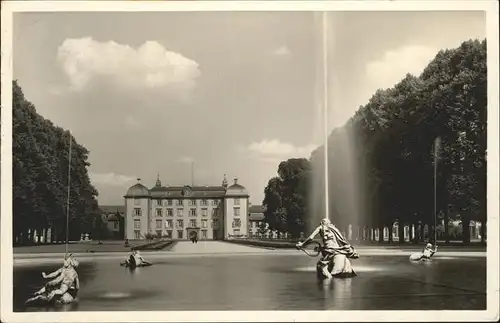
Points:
[(235, 180)]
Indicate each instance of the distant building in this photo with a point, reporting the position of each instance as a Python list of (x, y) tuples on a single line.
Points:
[(182, 212), (255, 219), (114, 217)]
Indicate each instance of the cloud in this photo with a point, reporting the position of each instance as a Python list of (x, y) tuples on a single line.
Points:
[(281, 51), (274, 150), (150, 65), (111, 179), (185, 160), (394, 65)]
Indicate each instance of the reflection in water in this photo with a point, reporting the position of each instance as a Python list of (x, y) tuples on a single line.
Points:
[(277, 283), (116, 295), (357, 269)]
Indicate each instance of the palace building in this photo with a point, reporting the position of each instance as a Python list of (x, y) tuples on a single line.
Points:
[(182, 212)]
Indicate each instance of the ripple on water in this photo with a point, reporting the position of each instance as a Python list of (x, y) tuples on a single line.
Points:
[(357, 269)]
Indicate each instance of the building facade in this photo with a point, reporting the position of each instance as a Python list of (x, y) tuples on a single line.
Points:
[(113, 217), (184, 212), (255, 221)]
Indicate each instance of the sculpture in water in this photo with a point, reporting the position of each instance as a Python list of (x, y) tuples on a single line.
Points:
[(135, 260), (336, 251), (63, 288), (426, 254)]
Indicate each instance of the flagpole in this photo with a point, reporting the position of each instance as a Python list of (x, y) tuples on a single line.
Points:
[(192, 173), (69, 191)]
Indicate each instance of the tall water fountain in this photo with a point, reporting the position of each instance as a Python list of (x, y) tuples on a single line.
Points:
[(341, 198)]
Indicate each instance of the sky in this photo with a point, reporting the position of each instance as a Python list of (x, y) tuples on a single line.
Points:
[(232, 92)]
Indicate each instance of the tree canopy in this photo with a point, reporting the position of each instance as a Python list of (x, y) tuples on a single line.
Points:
[(40, 177), (381, 162)]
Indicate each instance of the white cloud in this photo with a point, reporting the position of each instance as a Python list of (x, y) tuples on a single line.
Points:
[(185, 160), (281, 51), (393, 66), (275, 150), (111, 179), (150, 65)]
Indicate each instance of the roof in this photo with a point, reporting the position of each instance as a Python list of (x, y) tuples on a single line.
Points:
[(112, 208), (138, 190), (188, 191), (256, 213), (256, 209), (236, 189), (256, 217), (113, 217)]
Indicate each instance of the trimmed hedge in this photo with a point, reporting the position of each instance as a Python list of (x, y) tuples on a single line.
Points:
[(264, 243), (155, 245)]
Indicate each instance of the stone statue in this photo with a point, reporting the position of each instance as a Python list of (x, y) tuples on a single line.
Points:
[(426, 254), (335, 251), (63, 287)]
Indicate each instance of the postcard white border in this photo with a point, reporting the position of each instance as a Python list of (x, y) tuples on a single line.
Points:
[(6, 270)]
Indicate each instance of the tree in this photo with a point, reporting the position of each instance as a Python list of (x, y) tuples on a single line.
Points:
[(286, 197), (390, 142), (40, 177)]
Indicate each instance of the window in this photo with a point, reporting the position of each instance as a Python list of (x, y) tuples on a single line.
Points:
[(169, 234), (115, 225), (192, 202), (192, 223), (204, 234), (204, 223), (192, 212), (158, 203), (170, 212), (158, 224), (169, 202), (236, 223), (215, 223), (180, 223), (169, 223), (180, 234), (215, 202), (137, 211), (137, 234), (180, 212), (137, 224), (179, 202), (204, 212), (158, 233), (159, 212), (236, 211), (236, 201), (137, 202), (204, 202)]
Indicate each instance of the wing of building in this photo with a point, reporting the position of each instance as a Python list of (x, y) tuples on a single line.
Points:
[(185, 212)]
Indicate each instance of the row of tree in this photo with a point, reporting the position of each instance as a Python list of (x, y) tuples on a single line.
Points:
[(381, 162), (40, 158)]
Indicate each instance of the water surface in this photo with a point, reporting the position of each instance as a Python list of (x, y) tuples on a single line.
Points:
[(268, 282)]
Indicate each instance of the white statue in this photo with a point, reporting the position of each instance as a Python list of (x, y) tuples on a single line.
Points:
[(336, 251)]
